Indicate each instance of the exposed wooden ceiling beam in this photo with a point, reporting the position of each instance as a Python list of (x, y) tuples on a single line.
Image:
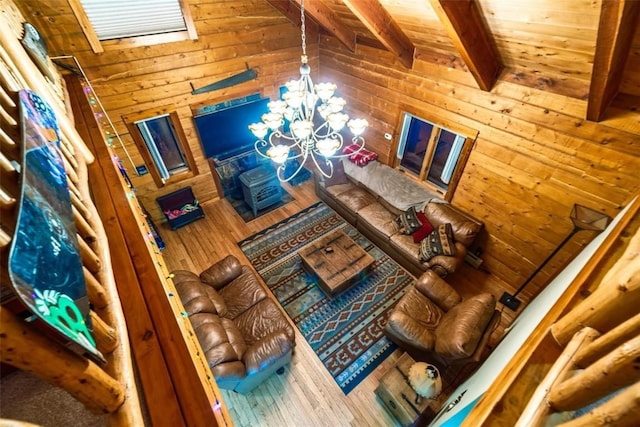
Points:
[(376, 18), (618, 23), (322, 15), (466, 27)]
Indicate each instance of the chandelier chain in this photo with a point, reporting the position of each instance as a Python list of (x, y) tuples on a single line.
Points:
[(303, 29)]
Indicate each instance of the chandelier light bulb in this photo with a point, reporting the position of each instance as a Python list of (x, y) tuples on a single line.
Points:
[(328, 147), (272, 120), (357, 126), (336, 104), (277, 107), (293, 98), (292, 85), (278, 153), (337, 121), (325, 90), (259, 129), (301, 128), (324, 111)]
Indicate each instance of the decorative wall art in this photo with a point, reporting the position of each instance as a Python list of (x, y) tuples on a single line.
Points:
[(45, 266)]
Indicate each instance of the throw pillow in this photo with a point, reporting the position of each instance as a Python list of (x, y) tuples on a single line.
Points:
[(338, 177), (439, 242), (425, 229), (408, 221)]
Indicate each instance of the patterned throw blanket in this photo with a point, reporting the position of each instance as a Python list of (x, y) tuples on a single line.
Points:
[(392, 185), (347, 330), (359, 156)]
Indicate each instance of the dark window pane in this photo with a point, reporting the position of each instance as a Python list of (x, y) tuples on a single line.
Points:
[(167, 144), (440, 157), (418, 136)]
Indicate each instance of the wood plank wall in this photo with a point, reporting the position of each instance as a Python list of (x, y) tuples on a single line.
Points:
[(232, 35), (534, 158)]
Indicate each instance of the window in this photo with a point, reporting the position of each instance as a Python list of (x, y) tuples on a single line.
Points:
[(115, 23), (434, 153), (163, 146)]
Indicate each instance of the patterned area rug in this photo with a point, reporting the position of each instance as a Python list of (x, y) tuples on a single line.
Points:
[(347, 330)]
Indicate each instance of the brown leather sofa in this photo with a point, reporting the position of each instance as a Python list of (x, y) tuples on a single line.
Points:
[(433, 324), (242, 331), (372, 197)]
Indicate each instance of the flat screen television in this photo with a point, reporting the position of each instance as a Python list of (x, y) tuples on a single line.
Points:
[(225, 133)]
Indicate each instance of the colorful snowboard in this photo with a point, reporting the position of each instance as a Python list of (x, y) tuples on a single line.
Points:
[(45, 267)]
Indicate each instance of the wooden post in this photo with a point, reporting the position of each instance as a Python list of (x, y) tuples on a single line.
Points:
[(606, 343), (616, 370), (106, 336), (33, 352), (613, 302), (83, 227), (89, 258), (536, 411), (621, 411), (95, 291)]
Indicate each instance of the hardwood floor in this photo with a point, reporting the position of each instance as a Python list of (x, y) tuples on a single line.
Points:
[(306, 394)]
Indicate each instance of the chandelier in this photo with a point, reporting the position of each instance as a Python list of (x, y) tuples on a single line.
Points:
[(292, 131)]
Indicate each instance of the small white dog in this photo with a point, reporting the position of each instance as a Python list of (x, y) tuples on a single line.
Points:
[(425, 380)]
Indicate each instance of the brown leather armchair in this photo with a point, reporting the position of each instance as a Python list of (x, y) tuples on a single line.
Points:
[(433, 324), (243, 333)]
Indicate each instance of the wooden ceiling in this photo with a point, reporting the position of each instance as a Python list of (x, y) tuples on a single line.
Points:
[(578, 47)]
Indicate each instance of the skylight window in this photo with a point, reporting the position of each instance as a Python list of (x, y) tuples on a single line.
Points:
[(116, 19), (115, 24)]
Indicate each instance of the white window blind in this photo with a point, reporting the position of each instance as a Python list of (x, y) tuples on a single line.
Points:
[(115, 19)]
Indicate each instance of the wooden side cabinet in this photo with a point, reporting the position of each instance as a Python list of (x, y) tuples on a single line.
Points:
[(401, 400)]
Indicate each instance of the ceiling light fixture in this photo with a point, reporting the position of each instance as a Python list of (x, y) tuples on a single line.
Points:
[(308, 136)]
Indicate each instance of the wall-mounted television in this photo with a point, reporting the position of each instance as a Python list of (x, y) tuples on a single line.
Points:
[(224, 133)]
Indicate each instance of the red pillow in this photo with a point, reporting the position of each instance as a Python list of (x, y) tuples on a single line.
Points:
[(423, 231)]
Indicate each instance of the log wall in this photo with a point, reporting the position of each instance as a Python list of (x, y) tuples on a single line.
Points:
[(535, 155)]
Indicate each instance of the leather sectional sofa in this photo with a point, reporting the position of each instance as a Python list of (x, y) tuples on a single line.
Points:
[(373, 196), (242, 331)]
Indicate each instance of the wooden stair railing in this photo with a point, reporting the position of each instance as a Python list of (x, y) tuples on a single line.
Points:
[(177, 382)]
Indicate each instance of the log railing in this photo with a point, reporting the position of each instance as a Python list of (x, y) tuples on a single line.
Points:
[(602, 356)]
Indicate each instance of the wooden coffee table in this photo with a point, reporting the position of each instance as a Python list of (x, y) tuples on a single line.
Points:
[(337, 260)]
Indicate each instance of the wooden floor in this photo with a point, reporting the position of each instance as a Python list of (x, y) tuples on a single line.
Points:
[(306, 394)]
